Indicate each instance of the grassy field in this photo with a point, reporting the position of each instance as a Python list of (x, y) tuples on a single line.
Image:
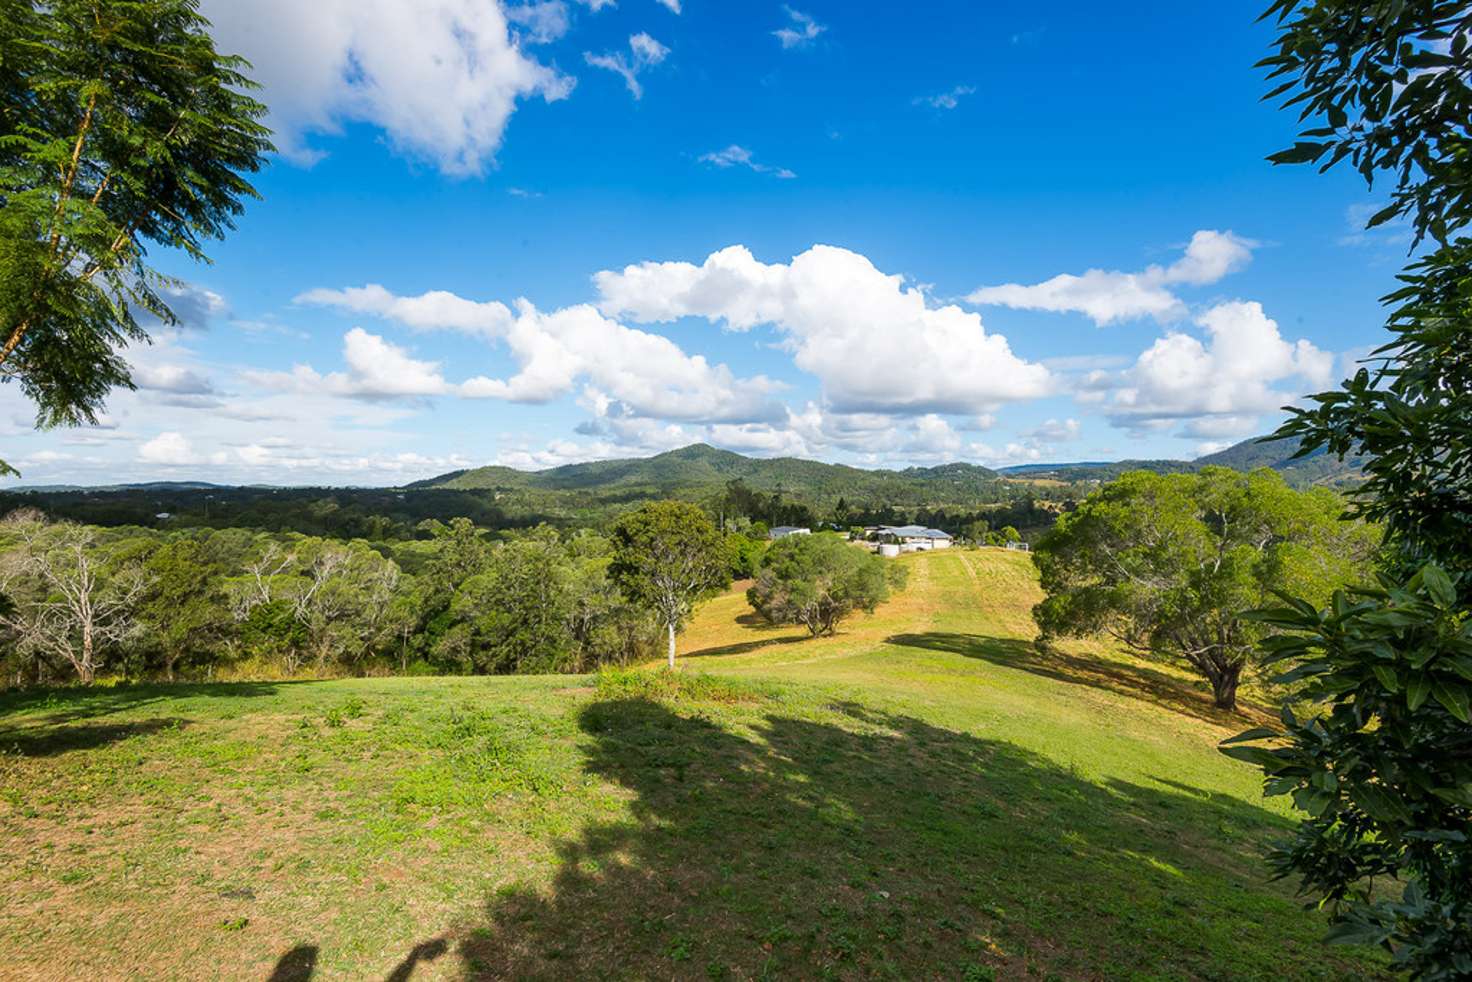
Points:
[(923, 796)]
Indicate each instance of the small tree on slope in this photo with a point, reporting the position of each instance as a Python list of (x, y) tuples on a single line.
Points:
[(818, 580), (668, 556)]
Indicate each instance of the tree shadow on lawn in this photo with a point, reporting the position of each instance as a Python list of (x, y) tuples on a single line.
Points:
[(67, 704), (1137, 681), (742, 647), (864, 844), (47, 741)]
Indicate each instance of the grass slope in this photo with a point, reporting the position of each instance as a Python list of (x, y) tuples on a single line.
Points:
[(923, 796)]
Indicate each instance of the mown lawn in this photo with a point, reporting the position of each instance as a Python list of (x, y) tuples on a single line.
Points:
[(924, 796)]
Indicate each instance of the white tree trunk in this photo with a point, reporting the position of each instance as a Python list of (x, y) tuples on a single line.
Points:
[(671, 626)]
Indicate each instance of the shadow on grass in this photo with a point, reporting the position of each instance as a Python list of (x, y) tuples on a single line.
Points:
[(297, 965), (47, 741), (426, 951), (742, 647), (70, 703), (851, 843), (1137, 681)]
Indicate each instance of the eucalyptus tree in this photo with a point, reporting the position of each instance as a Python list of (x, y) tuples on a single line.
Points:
[(183, 607), (121, 127), (70, 600), (307, 597), (515, 615), (667, 556)]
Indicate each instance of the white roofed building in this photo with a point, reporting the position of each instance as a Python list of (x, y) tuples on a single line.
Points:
[(915, 538)]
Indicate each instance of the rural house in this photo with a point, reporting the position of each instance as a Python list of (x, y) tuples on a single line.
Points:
[(914, 538)]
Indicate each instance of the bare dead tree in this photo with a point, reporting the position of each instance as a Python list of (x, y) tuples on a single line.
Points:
[(69, 606)]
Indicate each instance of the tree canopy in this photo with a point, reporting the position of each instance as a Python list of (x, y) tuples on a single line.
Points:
[(120, 126), (667, 556), (1169, 563), (818, 580), (1383, 761)]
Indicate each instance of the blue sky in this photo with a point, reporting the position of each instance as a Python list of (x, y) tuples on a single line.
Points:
[(539, 233)]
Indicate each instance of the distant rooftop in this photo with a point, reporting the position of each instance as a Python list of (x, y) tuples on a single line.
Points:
[(913, 532)]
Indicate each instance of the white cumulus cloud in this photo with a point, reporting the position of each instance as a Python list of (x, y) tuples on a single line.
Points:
[(556, 352), (1219, 386), (432, 311), (376, 369), (946, 100), (172, 449), (176, 379), (440, 77), (1056, 431), (1106, 296), (738, 156), (801, 30), (541, 22), (875, 344)]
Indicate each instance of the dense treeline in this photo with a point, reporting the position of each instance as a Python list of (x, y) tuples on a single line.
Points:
[(234, 582), (387, 514), (78, 602), (339, 513)]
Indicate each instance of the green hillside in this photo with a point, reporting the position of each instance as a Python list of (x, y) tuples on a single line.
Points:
[(1317, 468), (784, 490), (700, 467), (925, 795)]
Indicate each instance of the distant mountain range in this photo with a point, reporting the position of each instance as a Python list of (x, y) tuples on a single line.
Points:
[(1316, 468), (143, 486), (700, 469), (699, 466)]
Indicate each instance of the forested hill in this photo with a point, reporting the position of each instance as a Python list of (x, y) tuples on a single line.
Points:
[(1317, 468), (701, 467), (780, 491)]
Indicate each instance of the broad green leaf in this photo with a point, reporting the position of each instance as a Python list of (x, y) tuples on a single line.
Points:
[(1356, 932), (1264, 758), (1256, 733), (1387, 677), (1438, 585), (1454, 697), (1313, 801), (1380, 803), (1417, 692), (1457, 796)]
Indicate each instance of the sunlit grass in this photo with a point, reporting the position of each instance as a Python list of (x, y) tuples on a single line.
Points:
[(924, 795)]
